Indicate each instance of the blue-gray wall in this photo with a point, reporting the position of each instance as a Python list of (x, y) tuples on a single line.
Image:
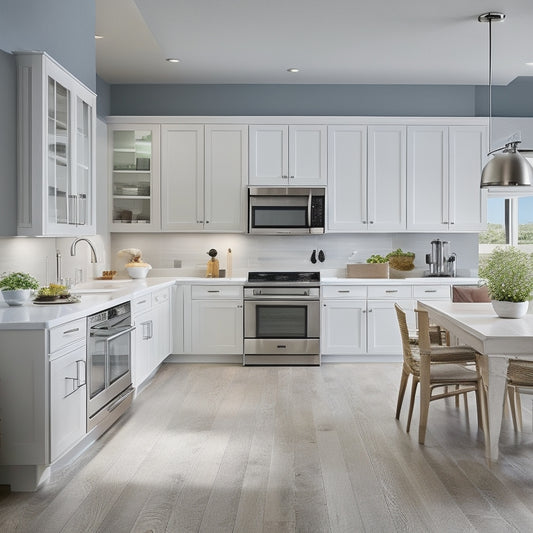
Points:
[(328, 100), (103, 99), (63, 28)]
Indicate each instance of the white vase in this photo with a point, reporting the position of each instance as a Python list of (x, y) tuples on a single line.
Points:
[(139, 272), (16, 297), (510, 309)]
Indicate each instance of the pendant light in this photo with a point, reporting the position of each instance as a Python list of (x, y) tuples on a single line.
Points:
[(508, 168)]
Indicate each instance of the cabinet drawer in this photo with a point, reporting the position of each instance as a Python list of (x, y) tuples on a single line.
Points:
[(161, 296), (206, 292), (140, 304), (427, 292), (68, 333), (344, 291), (389, 291)]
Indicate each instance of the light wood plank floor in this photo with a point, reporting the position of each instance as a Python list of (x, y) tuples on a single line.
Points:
[(221, 448)]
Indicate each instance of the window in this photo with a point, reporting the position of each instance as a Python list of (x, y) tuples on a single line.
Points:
[(509, 221)]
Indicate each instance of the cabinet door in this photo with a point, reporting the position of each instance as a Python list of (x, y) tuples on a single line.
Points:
[(144, 347), (135, 177), (226, 176), (307, 155), (217, 326), (68, 400), (468, 202), (387, 188), (182, 177), (383, 329), (347, 178), (269, 156), (343, 327), (427, 178), (56, 150), (162, 330)]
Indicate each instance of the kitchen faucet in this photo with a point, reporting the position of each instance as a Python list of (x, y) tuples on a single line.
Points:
[(93, 251)]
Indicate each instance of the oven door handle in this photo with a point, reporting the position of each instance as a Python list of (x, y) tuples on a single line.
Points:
[(120, 333)]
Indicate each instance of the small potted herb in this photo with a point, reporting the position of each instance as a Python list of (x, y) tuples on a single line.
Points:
[(508, 273), (16, 287)]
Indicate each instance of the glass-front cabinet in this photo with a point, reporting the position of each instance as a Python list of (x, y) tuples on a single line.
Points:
[(56, 156), (134, 177)]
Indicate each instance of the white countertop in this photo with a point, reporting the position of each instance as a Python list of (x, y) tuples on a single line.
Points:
[(399, 281), (33, 316)]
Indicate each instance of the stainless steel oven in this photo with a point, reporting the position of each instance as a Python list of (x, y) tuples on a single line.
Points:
[(282, 319), (109, 387)]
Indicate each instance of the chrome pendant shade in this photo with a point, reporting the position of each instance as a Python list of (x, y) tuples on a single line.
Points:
[(508, 168)]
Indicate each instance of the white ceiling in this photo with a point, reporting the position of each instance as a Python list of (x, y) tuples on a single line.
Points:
[(331, 41)]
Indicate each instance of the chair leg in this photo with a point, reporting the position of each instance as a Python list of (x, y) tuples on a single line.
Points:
[(511, 395), (401, 392), (425, 398), (518, 407), (466, 401), (479, 406), (414, 384)]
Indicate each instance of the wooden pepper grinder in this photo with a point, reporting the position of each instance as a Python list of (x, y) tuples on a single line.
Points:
[(212, 264)]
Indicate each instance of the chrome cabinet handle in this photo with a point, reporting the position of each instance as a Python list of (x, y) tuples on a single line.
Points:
[(371, 222), (141, 302), (68, 331), (430, 290), (291, 177), (343, 291), (391, 291), (285, 177), (212, 290)]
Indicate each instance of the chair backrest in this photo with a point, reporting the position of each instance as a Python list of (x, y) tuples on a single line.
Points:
[(424, 341), (404, 331), (470, 294)]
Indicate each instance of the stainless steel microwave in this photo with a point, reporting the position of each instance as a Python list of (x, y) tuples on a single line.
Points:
[(286, 210)]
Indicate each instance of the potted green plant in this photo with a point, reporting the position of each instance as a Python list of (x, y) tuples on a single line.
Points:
[(508, 273), (16, 287)]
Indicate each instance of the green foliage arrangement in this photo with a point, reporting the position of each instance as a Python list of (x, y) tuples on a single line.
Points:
[(18, 280), (376, 258), (509, 274)]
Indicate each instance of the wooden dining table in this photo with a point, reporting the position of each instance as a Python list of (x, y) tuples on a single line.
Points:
[(498, 340)]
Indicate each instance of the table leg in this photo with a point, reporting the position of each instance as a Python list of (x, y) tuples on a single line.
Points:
[(496, 385)]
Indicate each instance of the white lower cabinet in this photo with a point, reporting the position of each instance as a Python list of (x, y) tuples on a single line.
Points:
[(151, 317), (359, 319), (68, 401), (343, 327), (215, 323)]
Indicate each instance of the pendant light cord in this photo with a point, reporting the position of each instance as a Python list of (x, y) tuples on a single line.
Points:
[(490, 84)]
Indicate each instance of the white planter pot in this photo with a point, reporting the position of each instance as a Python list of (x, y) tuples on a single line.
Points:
[(17, 297), (510, 309)]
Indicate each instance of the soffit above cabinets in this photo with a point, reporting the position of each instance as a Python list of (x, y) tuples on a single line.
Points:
[(335, 42)]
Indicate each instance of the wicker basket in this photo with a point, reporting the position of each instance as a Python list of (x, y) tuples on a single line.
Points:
[(402, 262)]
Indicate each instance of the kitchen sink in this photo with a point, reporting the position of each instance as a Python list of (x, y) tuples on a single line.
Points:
[(99, 286)]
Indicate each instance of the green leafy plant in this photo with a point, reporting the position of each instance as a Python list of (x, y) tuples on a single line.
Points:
[(18, 280), (376, 258), (399, 253), (508, 273)]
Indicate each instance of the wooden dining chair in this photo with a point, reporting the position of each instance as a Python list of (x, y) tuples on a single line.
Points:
[(433, 367), (519, 381)]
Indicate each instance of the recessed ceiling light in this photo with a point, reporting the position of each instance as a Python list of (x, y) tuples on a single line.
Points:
[(172, 60), (98, 36), (293, 70), (530, 64)]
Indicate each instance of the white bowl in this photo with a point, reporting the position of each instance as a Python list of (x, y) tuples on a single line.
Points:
[(138, 272), (17, 297)]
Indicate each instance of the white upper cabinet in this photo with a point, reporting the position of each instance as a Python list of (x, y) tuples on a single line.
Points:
[(288, 155), (386, 189), (204, 171), (444, 168), (182, 177), (467, 153), (134, 160), (366, 178), (346, 195), (56, 154)]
